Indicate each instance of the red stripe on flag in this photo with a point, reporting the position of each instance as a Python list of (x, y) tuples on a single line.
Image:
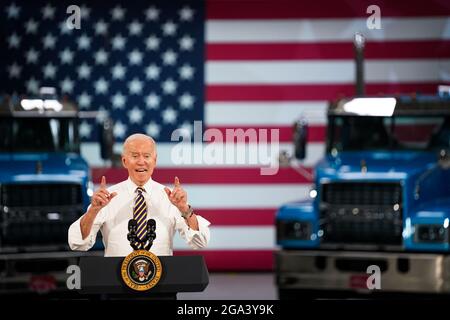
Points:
[(112, 175), (315, 133), (330, 91), (234, 260), (403, 132), (337, 50), (238, 217), (292, 9), (203, 175)]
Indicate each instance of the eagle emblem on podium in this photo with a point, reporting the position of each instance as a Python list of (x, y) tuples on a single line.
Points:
[(141, 270)]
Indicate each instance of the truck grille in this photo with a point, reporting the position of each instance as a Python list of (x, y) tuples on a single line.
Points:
[(361, 213), (39, 195), (38, 214)]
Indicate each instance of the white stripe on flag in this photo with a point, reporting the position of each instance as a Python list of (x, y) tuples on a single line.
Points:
[(323, 30), (253, 196), (329, 71), (235, 238), (264, 113)]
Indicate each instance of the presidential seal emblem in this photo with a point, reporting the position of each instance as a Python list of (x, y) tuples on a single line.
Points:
[(141, 270)]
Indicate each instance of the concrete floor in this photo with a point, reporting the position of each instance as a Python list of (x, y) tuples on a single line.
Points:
[(236, 286)]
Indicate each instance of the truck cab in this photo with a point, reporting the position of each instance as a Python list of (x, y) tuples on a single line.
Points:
[(45, 185), (44, 182), (379, 205)]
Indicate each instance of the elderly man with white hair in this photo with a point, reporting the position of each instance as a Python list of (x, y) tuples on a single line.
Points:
[(140, 198)]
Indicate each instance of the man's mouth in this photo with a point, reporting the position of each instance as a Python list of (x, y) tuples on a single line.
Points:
[(141, 170)]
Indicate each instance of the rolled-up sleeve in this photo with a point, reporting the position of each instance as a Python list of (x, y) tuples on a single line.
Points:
[(196, 239), (75, 237)]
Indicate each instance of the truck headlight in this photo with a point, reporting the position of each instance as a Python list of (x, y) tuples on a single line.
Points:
[(293, 230), (431, 233)]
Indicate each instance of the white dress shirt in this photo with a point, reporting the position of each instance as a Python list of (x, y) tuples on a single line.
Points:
[(113, 219)]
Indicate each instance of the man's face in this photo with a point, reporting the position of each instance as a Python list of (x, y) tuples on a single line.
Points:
[(139, 159)]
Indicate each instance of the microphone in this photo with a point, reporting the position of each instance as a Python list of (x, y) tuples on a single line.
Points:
[(151, 234), (132, 224), (131, 236), (151, 225)]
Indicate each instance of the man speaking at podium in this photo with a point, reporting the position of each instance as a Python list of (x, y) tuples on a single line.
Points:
[(142, 199)]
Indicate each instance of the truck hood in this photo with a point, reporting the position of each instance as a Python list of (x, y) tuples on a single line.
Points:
[(53, 167), (379, 165)]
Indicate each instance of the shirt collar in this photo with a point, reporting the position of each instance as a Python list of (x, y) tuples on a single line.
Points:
[(131, 186)]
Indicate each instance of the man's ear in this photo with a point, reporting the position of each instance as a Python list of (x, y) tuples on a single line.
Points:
[(124, 163)]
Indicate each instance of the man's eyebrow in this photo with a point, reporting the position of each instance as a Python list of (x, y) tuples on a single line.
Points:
[(144, 153)]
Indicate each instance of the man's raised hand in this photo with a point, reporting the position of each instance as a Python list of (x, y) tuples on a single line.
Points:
[(102, 197), (178, 197)]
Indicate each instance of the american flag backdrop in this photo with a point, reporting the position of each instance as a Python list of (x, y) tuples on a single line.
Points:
[(157, 66)]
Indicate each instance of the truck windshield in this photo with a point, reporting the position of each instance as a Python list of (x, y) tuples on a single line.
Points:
[(38, 135), (353, 133)]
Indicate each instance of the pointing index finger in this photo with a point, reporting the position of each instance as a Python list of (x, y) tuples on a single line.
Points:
[(177, 182), (103, 183)]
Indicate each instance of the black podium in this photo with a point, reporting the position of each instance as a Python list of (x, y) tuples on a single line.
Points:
[(101, 276)]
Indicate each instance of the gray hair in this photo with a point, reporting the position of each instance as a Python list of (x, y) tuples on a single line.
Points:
[(138, 136)]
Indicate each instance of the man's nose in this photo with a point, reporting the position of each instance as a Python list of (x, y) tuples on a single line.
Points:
[(141, 160)]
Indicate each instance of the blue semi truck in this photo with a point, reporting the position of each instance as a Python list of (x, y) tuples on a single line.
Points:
[(45, 186), (380, 202)]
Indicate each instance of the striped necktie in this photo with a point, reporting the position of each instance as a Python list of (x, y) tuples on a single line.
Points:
[(140, 213)]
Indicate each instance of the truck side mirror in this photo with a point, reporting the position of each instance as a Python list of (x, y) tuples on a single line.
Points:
[(106, 139), (300, 134)]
